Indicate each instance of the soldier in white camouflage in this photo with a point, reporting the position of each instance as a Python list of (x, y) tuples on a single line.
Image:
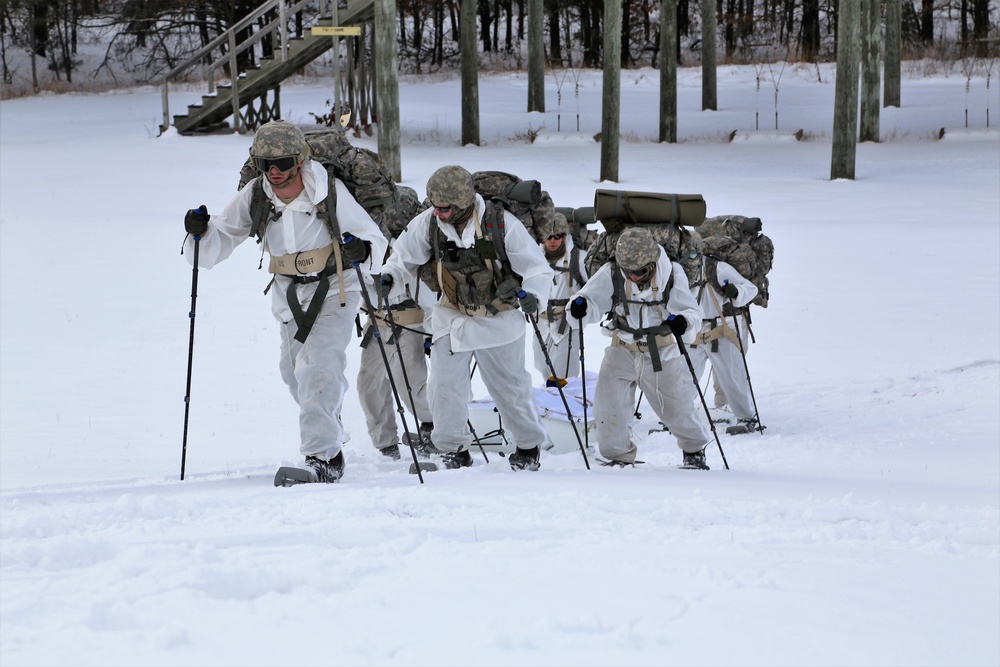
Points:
[(315, 291), (490, 273), (568, 276), (649, 304)]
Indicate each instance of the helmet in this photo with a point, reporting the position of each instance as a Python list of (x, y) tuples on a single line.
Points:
[(279, 138), (451, 186), (553, 225), (636, 249)]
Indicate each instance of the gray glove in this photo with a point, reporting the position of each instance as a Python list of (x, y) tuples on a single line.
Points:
[(529, 304)]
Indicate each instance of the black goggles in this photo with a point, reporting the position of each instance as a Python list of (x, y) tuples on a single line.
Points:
[(444, 209), (282, 163), (642, 272), (556, 237)]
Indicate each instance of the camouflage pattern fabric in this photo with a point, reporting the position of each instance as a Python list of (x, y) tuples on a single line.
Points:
[(682, 245), (737, 240), (556, 225), (279, 138), (525, 199), (364, 173), (635, 249), (451, 186)]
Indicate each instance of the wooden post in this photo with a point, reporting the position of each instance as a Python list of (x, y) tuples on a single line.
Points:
[(536, 56), (893, 52), (470, 73), (611, 96), (709, 28), (871, 23), (845, 101), (387, 84), (668, 71)]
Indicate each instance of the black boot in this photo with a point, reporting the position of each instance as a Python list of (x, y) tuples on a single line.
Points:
[(327, 471), (392, 451), (453, 460), (525, 459), (694, 461)]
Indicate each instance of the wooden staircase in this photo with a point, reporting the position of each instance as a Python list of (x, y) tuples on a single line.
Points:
[(246, 99)]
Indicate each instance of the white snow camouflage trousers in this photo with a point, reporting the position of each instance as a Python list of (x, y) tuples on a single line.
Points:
[(728, 370), (508, 381), (315, 373), (375, 391), (669, 392)]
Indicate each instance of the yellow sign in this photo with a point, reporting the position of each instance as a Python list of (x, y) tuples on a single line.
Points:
[(337, 31)]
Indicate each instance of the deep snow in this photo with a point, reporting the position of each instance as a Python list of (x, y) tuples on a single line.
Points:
[(863, 528)]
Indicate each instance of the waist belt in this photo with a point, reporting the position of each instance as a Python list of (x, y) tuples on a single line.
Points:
[(298, 263), (650, 344), (715, 333), (495, 306), (401, 317)]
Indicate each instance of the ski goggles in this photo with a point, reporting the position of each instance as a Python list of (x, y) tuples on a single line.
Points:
[(281, 163), (642, 272), (443, 209), (556, 237)]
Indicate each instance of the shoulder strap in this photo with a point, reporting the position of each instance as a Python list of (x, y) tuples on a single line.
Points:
[(574, 266), (261, 210)]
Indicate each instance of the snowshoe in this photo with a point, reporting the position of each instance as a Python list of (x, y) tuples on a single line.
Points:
[(694, 461), (392, 451), (744, 426), (611, 463), (315, 470), (525, 459)]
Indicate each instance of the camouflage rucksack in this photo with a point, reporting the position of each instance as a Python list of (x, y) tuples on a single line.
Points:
[(738, 241), (664, 215), (391, 206), (525, 199), (579, 220)]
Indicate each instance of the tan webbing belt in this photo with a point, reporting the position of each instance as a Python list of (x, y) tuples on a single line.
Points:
[(297, 263), (715, 333), (641, 345)]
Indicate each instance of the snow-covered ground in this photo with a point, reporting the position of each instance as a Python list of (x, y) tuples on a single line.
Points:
[(863, 527)]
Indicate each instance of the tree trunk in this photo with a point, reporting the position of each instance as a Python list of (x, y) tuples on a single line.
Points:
[(470, 74), (709, 25), (845, 101), (893, 52), (927, 22), (611, 95), (536, 56), (810, 30), (387, 86), (668, 71), (871, 23), (981, 27)]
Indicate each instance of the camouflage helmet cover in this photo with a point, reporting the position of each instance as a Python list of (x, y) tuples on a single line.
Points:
[(635, 249), (279, 138), (553, 225), (451, 186)]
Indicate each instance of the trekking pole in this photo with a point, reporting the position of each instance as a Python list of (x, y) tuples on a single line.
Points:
[(636, 413), (583, 375), (552, 369), (191, 315), (385, 360), (701, 394), (468, 422), (743, 354)]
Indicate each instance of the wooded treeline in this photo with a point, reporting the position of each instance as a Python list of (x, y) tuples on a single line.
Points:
[(146, 38)]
